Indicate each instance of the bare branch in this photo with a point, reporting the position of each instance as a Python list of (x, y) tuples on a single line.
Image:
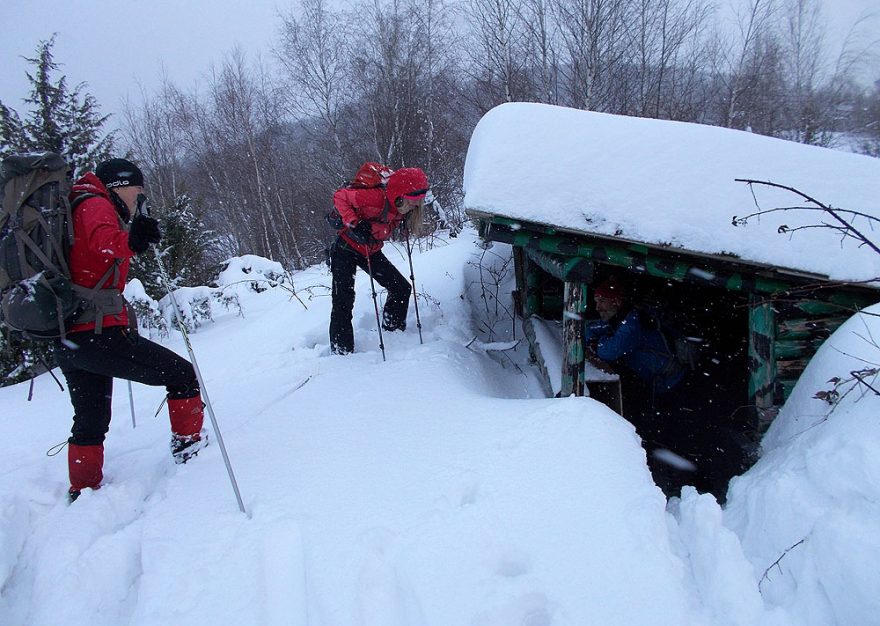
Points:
[(847, 227), (776, 563)]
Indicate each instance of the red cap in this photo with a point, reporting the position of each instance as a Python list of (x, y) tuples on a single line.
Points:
[(410, 182), (610, 290)]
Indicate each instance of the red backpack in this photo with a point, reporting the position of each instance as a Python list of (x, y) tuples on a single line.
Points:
[(370, 175)]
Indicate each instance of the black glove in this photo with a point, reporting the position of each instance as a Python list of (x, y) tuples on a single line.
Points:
[(362, 232), (144, 231)]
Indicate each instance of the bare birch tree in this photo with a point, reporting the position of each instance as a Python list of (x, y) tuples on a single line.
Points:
[(542, 46), (498, 55), (594, 39), (312, 53), (390, 80), (666, 52), (803, 36), (746, 59)]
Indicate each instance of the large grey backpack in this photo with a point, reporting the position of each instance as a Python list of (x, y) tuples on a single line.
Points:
[(36, 296)]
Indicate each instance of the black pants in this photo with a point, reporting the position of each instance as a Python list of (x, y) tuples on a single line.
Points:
[(90, 362), (344, 262)]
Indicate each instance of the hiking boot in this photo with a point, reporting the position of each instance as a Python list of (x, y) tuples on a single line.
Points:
[(73, 494), (185, 447), (391, 328)]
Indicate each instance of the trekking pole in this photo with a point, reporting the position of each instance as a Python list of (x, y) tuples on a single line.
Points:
[(166, 282), (376, 306), (412, 278), (131, 404)]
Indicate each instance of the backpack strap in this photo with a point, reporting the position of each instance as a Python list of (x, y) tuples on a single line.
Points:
[(101, 301), (16, 194), (25, 241)]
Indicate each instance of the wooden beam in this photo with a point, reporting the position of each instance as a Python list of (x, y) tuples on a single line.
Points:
[(682, 266), (564, 268), (762, 361), (573, 338), (532, 295)]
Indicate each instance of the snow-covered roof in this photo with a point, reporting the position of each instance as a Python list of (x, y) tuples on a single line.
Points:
[(671, 184)]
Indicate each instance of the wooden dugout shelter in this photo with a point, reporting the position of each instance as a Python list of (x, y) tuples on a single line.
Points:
[(581, 195)]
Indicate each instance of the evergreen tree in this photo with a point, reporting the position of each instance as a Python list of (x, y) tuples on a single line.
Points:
[(62, 120), (185, 248), (59, 120)]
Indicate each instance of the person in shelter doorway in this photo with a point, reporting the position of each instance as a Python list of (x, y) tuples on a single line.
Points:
[(647, 365), (368, 217), (103, 343)]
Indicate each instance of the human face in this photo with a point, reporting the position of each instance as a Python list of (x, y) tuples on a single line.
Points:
[(409, 204), (128, 194), (607, 307)]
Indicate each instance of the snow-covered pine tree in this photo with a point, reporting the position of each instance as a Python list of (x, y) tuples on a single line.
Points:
[(58, 119), (186, 250)]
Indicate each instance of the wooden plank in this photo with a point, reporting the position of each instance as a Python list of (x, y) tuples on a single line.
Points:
[(563, 268), (535, 350), (519, 261), (791, 368), (573, 338), (797, 348), (803, 328), (678, 264), (762, 361), (532, 299)]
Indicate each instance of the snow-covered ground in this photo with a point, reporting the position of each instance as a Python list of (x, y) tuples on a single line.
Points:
[(436, 488)]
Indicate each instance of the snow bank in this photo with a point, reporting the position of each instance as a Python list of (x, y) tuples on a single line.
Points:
[(808, 513)]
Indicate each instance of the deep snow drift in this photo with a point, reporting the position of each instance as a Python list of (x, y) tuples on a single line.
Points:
[(438, 487)]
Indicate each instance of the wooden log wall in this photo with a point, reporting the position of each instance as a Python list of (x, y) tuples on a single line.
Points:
[(801, 327)]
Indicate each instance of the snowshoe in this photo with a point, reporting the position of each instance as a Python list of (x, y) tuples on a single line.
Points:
[(183, 447)]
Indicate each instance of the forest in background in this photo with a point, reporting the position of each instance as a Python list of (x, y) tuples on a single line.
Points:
[(246, 163)]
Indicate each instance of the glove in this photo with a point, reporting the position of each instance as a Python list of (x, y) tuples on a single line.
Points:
[(362, 232), (144, 231)]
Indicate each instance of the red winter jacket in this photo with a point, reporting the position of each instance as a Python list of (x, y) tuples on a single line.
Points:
[(98, 241), (370, 204), (378, 206)]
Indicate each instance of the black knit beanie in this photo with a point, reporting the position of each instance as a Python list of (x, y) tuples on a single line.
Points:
[(119, 173)]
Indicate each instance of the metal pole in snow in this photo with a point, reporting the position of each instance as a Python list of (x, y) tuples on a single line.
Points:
[(131, 404), (412, 278), (204, 391)]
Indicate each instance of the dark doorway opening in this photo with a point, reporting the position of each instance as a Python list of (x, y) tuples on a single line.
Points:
[(701, 432)]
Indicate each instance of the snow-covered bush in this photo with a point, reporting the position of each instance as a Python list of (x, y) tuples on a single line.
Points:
[(198, 305), (149, 314), (255, 272)]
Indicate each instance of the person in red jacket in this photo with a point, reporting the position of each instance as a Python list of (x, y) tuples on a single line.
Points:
[(368, 218), (100, 345)]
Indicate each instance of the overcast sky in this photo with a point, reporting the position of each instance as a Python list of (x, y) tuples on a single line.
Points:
[(116, 45)]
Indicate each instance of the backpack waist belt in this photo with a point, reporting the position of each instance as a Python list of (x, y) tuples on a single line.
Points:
[(98, 303)]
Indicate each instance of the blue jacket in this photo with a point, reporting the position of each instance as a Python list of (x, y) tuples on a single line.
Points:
[(641, 349)]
